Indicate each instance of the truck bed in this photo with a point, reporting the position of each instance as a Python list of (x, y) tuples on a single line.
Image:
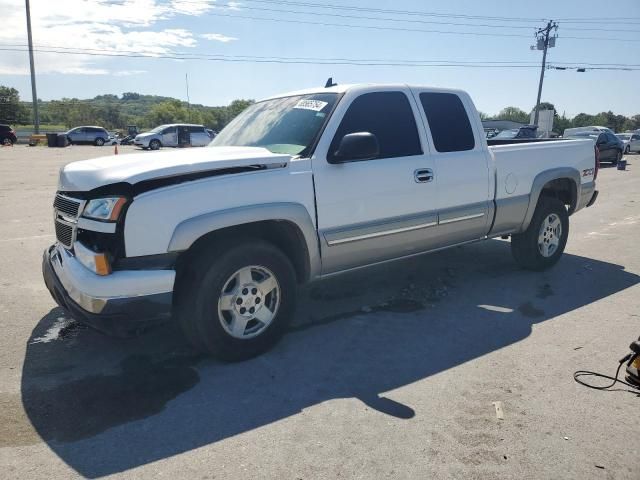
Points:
[(517, 164)]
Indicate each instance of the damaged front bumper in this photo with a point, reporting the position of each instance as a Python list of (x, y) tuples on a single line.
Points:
[(119, 303)]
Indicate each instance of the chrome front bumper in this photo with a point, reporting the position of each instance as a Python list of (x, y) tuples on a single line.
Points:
[(107, 302)]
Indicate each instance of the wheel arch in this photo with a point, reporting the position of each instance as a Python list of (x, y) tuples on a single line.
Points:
[(286, 225), (562, 183)]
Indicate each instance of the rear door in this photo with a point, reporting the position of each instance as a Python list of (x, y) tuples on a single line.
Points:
[(91, 133), (634, 143), (380, 208), (199, 137), (462, 165)]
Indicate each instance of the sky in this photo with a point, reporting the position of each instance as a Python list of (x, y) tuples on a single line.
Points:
[(415, 36)]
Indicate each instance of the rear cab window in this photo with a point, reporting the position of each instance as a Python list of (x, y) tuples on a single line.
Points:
[(448, 122)]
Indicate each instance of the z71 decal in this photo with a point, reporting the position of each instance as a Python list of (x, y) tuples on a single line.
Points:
[(588, 172)]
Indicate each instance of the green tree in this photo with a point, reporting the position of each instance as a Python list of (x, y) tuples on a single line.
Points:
[(632, 123), (560, 124), (514, 114), (11, 109), (583, 120), (172, 111), (236, 107)]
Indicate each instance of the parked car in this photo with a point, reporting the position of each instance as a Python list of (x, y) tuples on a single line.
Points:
[(297, 188), (172, 136), (7, 135), (630, 141), (591, 129), (95, 135), (212, 133), (526, 131), (609, 146)]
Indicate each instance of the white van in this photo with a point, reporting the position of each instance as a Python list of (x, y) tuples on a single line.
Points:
[(173, 135)]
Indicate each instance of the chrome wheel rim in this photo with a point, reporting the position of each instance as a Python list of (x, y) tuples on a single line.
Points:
[(550, 234), (249, 302)]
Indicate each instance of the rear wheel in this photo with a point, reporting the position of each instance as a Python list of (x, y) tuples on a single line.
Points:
[(541, 245), (154, 144), (237, 305)]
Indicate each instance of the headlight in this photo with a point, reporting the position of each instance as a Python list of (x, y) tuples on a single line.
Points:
[(104, 208)]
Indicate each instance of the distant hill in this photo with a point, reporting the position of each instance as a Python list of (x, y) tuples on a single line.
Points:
[(146, 111)]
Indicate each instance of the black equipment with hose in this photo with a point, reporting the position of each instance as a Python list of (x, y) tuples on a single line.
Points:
[(633, 372)]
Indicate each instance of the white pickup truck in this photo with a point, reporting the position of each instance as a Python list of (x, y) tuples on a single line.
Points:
[(297, 188)]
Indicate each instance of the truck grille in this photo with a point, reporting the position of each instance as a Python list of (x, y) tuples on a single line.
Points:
[(67, 206), (64, 233), (66, 212)]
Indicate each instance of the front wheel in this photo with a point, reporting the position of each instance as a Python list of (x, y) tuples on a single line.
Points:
[(154, 144), (99, 142), (541, 245), (627, 150), (237, 304)]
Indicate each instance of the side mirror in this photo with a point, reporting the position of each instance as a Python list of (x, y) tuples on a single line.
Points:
[(357, 146)]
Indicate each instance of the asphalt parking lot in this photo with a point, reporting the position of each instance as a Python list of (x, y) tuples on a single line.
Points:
[(391, 372)]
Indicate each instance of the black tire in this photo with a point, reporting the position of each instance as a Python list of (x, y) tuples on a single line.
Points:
[(154, 144), (98, 142), (524, 246), (627, 150), (200, 290)]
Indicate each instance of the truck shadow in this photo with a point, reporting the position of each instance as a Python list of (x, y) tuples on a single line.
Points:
[(107, 405)]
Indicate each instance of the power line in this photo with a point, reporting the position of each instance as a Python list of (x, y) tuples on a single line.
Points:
[(310, 60), (319, 59), (399, 29), (429, 14), (402, 20), (261, 59)]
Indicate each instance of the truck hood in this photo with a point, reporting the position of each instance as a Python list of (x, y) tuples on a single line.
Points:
[(133, 168)]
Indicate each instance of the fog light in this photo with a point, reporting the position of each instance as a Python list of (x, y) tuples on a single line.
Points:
[(96, 262)]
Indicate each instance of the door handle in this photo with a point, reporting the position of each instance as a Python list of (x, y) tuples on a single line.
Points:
[(423, 175)]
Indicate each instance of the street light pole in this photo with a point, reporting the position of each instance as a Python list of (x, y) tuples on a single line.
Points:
[(34, 94), (545, 46)]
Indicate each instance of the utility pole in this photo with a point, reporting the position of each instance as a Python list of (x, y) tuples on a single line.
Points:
[(34, 94), (186, 81), (544, 42)]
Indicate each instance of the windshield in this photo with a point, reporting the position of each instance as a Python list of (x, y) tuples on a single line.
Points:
[(282, 125), (158, 129), (624, 137), (507, 134)]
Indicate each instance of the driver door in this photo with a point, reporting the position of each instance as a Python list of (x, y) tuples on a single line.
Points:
[(380, 208)]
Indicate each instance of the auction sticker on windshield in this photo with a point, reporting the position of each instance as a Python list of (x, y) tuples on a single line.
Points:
[(315, 105)]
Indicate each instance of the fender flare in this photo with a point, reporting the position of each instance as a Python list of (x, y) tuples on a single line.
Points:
[(188, 231), (541, 180)]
